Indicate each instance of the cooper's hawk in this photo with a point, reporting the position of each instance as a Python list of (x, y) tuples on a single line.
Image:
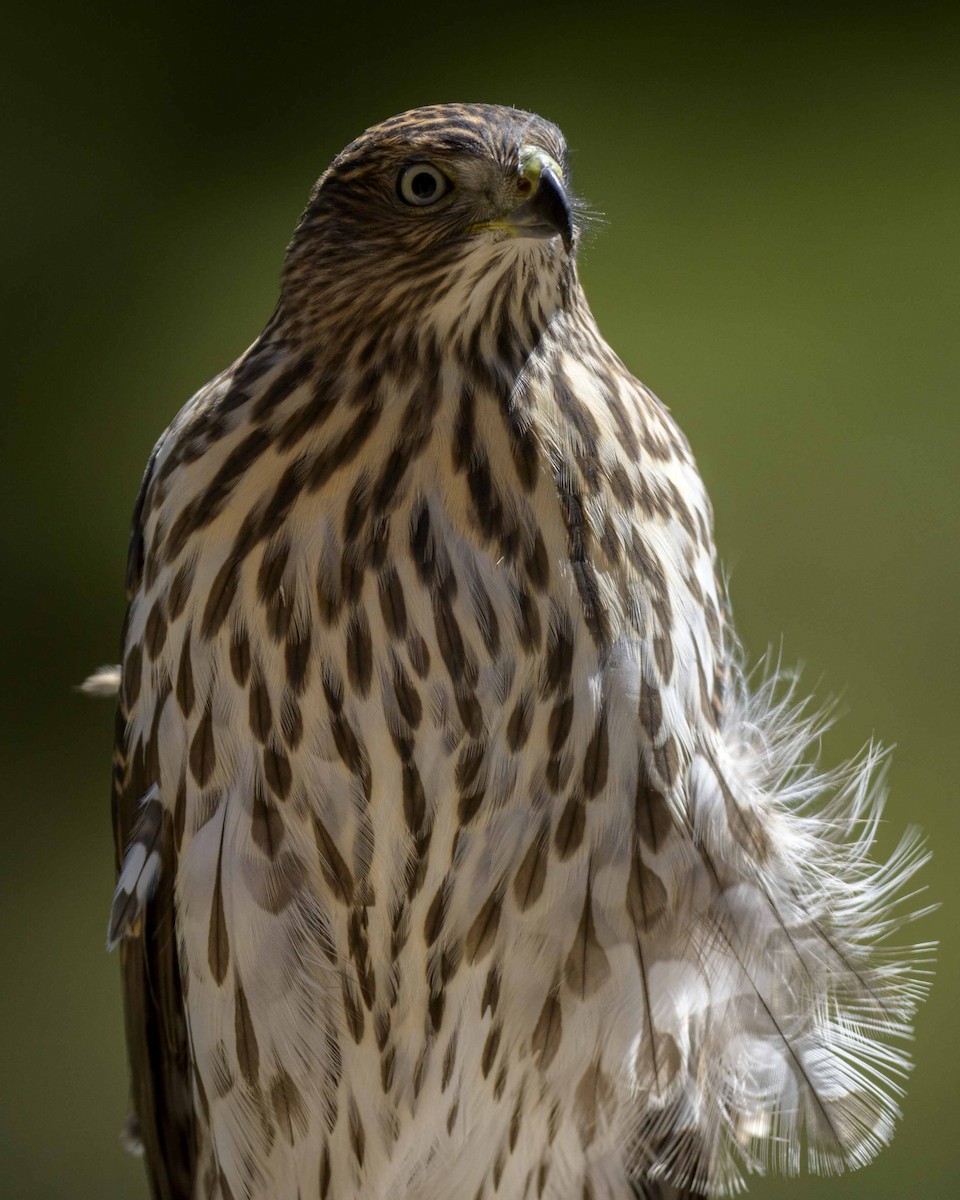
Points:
[(455, 859)]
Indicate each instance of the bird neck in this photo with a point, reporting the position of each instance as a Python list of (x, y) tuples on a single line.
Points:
[(490, 309)]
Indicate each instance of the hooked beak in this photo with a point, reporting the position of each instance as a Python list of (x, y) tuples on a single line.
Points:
[(546, 212)]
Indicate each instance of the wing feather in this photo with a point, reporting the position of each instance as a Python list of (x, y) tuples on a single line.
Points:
[(154, 1014)]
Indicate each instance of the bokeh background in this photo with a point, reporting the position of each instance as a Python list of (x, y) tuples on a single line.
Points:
[(779, 261)]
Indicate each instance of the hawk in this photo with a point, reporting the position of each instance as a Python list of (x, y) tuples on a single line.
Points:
[(456, 858)]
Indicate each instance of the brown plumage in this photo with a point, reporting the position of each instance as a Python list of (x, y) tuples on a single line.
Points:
[(455, 858)]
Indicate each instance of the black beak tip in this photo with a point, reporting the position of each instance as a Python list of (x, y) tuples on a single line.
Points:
[(553, 203)]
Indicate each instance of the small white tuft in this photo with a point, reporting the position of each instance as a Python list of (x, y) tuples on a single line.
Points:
[(104, 682)]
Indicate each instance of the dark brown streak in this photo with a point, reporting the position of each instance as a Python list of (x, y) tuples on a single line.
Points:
[(218, 943), (344, 450), (578, 538), (285, 383)]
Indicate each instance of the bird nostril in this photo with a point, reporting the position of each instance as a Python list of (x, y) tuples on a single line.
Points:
[(524, 186)]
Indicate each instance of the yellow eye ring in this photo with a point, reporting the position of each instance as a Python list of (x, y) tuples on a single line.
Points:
[(421, 184)]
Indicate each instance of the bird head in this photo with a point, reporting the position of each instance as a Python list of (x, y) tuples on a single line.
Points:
[(425, 210)]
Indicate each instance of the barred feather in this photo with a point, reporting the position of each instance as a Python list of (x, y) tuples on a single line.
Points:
[(140, 872)]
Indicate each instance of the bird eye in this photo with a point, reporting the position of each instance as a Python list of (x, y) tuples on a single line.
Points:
[(421, 184)]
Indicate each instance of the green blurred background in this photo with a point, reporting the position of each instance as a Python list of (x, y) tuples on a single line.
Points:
[(779, 262)]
